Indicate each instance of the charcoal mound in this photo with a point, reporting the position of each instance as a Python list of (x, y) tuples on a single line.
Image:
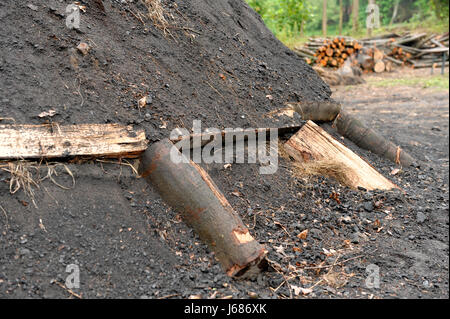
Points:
[(215, 62)]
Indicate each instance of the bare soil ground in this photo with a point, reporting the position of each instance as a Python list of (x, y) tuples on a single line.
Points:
[(129, 244)]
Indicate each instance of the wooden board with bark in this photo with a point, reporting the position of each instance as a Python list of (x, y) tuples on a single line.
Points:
[(312, 143), (58, 141)]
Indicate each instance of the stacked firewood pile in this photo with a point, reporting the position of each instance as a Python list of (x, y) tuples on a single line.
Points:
[(378, 54), (373, 60), (331, 53)]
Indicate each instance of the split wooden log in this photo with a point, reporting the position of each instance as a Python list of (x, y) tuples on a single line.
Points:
[(58, 141), (189, 190), (353, 129), (312, 145)]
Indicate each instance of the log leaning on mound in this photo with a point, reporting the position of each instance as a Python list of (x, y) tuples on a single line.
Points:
[(350, 127), (189, 190), (313, 144)]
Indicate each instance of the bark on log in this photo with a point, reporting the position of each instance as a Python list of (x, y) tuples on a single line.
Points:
[(188, 189), (235, 135), (319, 111), (418, 65), (55, 141), (313, 144), (353, 129), (391, 59)]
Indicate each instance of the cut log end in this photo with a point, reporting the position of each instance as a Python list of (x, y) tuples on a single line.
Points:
[(379, 67)]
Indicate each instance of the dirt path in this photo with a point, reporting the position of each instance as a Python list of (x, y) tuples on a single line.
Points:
[(415, 257)]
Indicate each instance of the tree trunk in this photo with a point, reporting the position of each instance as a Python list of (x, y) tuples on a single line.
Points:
[(324, 19), (369, 28), (394, 14), (341, 16), (189, 190), (355, 14)]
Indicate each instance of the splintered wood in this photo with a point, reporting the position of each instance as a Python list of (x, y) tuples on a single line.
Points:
[(55, 141), (311, 143)]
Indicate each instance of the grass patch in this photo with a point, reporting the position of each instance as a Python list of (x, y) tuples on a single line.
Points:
[(440, 81)]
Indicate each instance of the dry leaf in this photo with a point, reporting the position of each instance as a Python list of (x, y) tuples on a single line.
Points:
[(378, 204), (280, 250), (142, 102), (80, 6), (48, 113), (164, 125), (300, 290), (335, 196), (83, 48), (41, 225), (376, 224), (303, 235)]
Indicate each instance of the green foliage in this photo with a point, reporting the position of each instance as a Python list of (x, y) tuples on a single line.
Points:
[(440, 8), (284, 17)]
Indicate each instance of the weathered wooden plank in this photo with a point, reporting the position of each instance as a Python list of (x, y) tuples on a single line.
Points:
[(312, 143), (58, 141)]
